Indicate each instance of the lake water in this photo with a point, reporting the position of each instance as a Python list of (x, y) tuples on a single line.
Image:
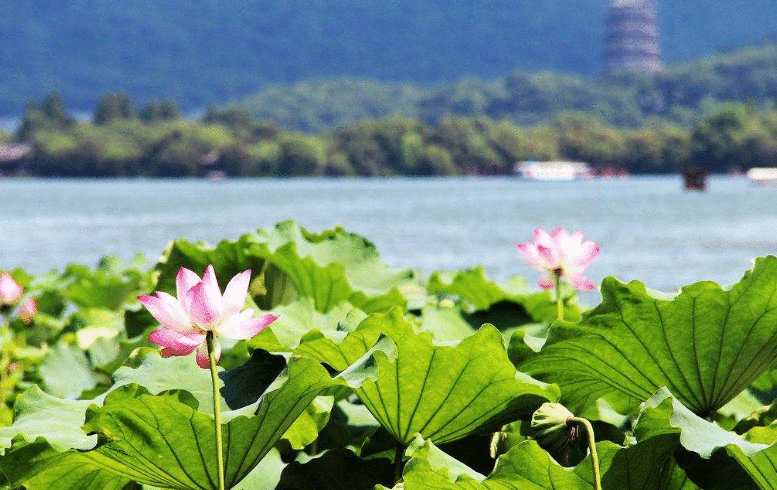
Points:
[(648, 228)]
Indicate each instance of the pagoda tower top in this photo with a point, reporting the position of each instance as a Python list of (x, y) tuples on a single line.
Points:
[(632, 37)]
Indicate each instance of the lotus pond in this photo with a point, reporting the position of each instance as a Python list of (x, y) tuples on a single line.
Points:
[(377, 376)]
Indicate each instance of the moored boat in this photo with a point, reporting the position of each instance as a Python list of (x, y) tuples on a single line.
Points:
[(763, 175), (555, 170)]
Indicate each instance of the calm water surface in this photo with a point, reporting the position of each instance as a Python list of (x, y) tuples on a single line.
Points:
[(648, 227)]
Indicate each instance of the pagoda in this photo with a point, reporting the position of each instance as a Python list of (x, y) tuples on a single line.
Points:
[(632, 37)]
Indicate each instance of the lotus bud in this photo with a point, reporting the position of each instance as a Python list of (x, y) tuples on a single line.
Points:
[(10, 290), (28, 310), (556, 432)]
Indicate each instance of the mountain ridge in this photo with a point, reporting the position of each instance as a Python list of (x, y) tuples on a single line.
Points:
[(204, 51)]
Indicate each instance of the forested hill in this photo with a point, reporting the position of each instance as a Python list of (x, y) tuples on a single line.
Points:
[(201, 51)]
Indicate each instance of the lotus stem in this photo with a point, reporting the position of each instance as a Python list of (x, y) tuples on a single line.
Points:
[(398, 453), (592, 447), (559, 301), (216, 409)]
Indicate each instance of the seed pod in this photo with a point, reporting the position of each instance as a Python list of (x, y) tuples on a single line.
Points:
[(556, 433)]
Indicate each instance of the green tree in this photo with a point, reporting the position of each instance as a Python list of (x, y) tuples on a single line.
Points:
[(718, 142), (50, 115), (112, 107), (159, 111), (301, 155), (233, 118)]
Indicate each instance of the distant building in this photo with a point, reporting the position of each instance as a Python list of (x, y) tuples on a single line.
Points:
[(11, 152), (632, 37), (533, 170)]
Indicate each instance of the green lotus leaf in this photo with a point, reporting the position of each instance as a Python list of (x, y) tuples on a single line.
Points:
[(40, 467), (265, 476), (443, 392), (358, 256), (135, 430), (288, 262), (526, 466), (228, 258), (243, 385), (706, 344), (164, 441), (712, 456), (297, 319), (109, 286), (508, 305), (37, 414), (306, 428), (157, 374), (67, 372), (53, 427), (445, 323), (341, 349)]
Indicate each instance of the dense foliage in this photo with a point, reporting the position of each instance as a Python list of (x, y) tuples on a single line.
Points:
[(375, 375), (154, 141), (207, 51), (677, 95)]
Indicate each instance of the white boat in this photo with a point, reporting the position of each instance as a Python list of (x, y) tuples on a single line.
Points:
[(763, 175), (558, 170)]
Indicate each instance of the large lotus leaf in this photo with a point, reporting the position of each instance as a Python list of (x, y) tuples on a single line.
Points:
[(306, 428), (340, 349), (40, 467), (508, 305), (328, 283), (157, 374), (67, 372), (713, 457), (164, 441), (445, 323), (109, 286), (442, 392), (59, 421), (54, 427), (244, 385), (297, 319), (706, 345), (265, 476), (38, 414), (289, 262), (228, 258), (525, 467), (131, 415), (358, 255), (528, 467)]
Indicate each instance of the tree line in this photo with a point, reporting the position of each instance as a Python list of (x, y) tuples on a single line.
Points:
[(155, 141)]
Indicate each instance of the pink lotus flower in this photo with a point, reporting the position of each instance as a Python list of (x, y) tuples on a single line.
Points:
[(562, 254), (10, 291), (201, 308), (28, 310)]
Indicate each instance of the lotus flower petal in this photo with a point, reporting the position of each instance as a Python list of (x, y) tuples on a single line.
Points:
[(200, 308), (10, 290), (175, 343), (202, 354), (184, 281), (167, 311), (241, 327), (235, 293), (204, 306), (546, 282), (580, 282), (560, 252), (28, 310)]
